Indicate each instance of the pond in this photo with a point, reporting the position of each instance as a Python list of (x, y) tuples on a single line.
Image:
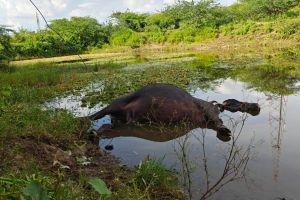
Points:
[(261, 161)]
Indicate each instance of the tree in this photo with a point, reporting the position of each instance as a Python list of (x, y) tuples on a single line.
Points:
[(134, 21), (63, 37), (261, 8), (6, 51), (190, 13), (81, 31), (162, 20)]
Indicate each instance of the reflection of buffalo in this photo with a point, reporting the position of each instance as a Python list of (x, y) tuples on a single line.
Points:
[(152, 133), (168, 104)]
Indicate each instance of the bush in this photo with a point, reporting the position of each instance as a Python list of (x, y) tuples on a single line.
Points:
[(186, 34), (135, 40), (163, 21), (120, 37), (227, 29), (206, 33), (127, 37), (290, 29), (246, 27), (175, 36), (154, 34), (294, 12)]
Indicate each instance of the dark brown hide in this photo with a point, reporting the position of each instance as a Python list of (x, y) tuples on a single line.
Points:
[(167, 104)]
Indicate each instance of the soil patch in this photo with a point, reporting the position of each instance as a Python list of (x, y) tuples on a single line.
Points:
[(73, 156)]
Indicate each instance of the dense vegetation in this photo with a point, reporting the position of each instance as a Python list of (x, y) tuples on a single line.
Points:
[(184, 22)]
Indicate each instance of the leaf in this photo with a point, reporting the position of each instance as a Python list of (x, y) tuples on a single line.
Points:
[(99, 186), (35, 191)]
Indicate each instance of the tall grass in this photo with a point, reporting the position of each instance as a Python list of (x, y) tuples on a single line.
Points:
[(24, 89), (152, 173)]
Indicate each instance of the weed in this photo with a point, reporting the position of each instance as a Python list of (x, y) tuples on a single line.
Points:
[(290, 29), (152, 173)]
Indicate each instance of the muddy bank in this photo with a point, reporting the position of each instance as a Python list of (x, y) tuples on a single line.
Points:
[(72, 157)]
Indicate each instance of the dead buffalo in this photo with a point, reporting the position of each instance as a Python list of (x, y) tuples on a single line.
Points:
[(168, 104)]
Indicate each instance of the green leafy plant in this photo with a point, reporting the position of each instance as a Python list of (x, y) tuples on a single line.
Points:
[(100, 186), (35, 191)]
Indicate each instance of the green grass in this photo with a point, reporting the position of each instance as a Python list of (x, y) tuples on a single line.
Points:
[(152, 173), (23, 90), (151, 181), (13, 185)]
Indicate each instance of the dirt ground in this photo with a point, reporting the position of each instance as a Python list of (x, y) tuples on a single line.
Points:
[(73, 157)]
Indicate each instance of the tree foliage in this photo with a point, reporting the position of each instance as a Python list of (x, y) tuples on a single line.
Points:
[(190, 13), (185, 21), (262, 8), (75, 35), (134, 21), (6, 52)]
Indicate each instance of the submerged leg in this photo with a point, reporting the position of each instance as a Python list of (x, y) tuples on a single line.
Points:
[(99, 114), (130, 117)]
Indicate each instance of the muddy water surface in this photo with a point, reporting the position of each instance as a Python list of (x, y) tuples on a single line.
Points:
[(262, 159)]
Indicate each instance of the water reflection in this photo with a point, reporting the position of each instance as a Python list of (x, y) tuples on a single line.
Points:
[(234, 161), (277, 122), (207, 165), (234, 157), (152, 133), (270, 79)]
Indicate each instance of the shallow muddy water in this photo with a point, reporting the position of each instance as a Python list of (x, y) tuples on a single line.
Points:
[(262, 159)]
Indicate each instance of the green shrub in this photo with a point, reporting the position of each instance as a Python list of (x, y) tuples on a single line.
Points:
[(154, 34), (175, 36), (289, 29), (135, 40), (294, 12), (162, 20), (205, 34), (186, 35), (227, 29), (127, 37), (120, 37), (246, 27)]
